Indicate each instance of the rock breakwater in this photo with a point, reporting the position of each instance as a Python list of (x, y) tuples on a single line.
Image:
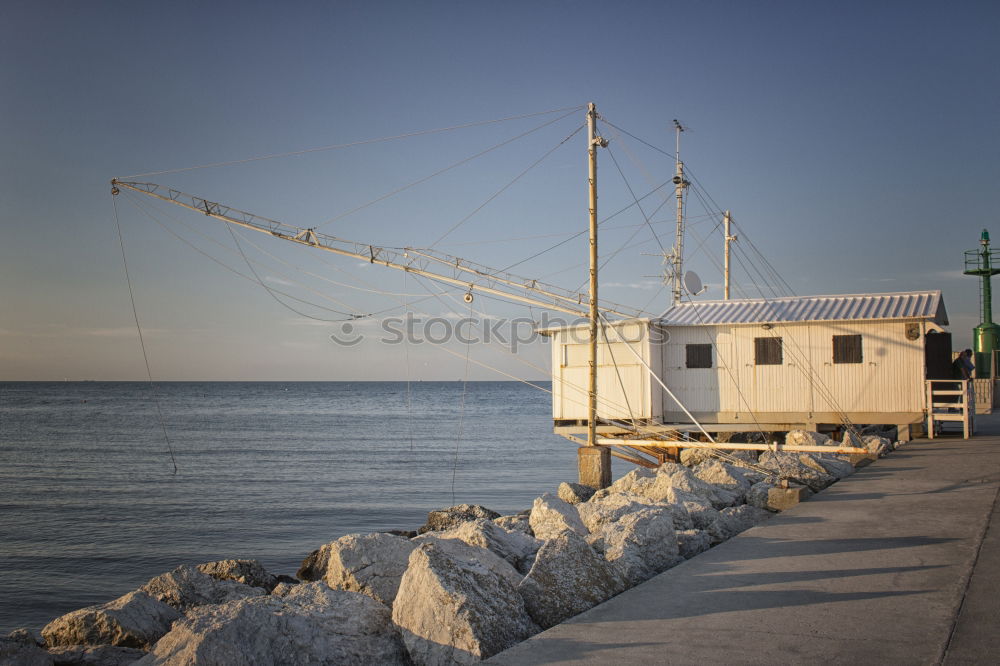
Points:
[(461, 588)]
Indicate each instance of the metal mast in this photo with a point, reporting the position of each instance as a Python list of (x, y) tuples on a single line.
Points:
[(594, 460), (986, 336), (679, 184), (726, 220), (426, 263)]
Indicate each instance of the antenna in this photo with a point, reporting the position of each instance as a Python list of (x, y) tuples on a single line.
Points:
[(680, 183), (678, 128)]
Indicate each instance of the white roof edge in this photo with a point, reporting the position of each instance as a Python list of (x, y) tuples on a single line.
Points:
[(933, 292), (927, 304), (549, 330)]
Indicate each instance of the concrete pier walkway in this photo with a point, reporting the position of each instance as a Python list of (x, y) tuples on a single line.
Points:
[(897, 564)]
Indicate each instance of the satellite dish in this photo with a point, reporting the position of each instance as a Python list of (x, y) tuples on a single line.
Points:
[(692, 283)]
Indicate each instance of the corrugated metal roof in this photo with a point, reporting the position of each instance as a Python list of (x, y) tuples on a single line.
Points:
[(900, 305)]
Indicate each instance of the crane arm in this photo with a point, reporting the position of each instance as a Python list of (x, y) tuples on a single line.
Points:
[(426, 263)]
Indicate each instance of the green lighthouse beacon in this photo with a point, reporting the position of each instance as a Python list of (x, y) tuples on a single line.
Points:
[(986, 336)]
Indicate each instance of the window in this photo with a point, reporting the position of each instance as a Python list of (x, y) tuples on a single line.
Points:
[(767, 351), (699, 356), (847, 349)]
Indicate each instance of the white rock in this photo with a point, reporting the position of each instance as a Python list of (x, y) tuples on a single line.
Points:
[(808, 438), (829, 463), (659, 486), (636, 482), (444, 519), (186, 587), (310, 624), (132, 620), (101, 655), (18, 648), (371, 564), (248, 572), (607, 507), (699, 510), (726, 476), (516, 547), (878, 446), (458, 604), (640, 544), (568, 577), (517, 523), (789, 466), (692, 542), (550, 516), (673, 475), (758, 494), (574, 493), (693, 457)]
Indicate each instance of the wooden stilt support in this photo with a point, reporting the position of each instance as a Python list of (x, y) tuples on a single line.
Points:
[(903, 432), (594, 460)]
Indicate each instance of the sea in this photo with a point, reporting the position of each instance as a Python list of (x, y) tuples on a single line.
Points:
[(91, 506)]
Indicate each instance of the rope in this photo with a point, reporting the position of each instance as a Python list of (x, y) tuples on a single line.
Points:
[(406, 354), (636, 200), (580, 233), (461, 413), (729, 458), (142, 343), (508, 185), (271, 293), (535, 237), (441, 171), (347, 316), (357, 143)]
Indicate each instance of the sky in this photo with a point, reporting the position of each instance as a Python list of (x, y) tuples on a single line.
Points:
[(854, 142)]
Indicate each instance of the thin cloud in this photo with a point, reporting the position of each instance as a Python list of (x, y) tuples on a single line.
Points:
[(633, 285)]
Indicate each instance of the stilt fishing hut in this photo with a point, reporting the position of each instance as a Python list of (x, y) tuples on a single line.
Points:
[(812, 362)]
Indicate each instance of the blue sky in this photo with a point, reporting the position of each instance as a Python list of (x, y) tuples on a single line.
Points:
[(855, 143)]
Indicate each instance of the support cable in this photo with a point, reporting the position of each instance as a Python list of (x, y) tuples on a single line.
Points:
[(349, 316), (142, 342), (406, 354), (461, 413), (506, 187), (441, 171), (581, 233), (724, 456), (571, 109), (268, 289)]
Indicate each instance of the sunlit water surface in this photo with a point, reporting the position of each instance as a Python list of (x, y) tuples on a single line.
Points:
[(90, 507)]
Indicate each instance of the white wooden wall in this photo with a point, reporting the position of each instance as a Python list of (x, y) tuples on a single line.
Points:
[(623, 384), (889, 378)]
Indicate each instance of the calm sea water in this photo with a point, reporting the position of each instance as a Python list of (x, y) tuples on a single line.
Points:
[(90, 507)]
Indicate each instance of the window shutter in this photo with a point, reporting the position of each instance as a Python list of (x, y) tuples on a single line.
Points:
[(847, 349), (767, 351), (699, 356)]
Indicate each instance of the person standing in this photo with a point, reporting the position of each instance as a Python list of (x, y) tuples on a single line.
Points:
[(962, 367)]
